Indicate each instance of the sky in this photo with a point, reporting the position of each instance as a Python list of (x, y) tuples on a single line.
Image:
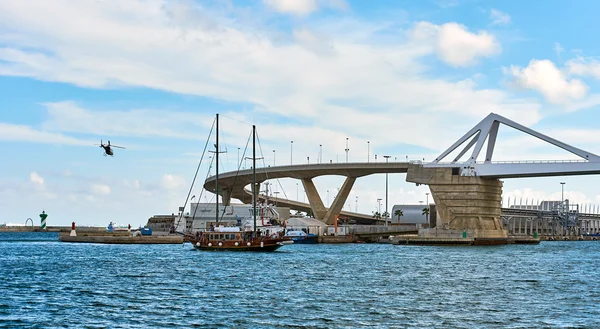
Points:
[(399, 78)]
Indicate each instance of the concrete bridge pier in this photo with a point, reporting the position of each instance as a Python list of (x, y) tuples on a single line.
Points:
[(466, 204), (339, 201), (314, 199)]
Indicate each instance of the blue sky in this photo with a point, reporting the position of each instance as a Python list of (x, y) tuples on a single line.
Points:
[(409, 77)]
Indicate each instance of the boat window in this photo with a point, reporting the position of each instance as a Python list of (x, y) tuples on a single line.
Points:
[(226, 236), (221, 236)]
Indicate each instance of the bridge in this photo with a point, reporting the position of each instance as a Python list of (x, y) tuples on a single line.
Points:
[(467, 192)]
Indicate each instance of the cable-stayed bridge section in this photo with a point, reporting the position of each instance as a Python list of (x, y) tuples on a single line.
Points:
[(467, 192)]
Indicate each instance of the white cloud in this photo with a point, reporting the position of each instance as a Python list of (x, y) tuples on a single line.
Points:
[(100, 189), (499, 18), (298, 7), (68, 116), (558, 49), (172, 182), (303, 7), (12, 132), (455, 45), (584, 67), (134, 184), (545, 77), (36, 179), (327, 72)]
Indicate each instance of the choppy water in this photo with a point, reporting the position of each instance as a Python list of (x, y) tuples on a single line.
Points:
[(49, 284)]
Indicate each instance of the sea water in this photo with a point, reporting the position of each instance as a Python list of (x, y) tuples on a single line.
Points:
[(49, 284)]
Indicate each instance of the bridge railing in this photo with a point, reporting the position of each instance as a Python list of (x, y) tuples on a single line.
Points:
[(513, 162)]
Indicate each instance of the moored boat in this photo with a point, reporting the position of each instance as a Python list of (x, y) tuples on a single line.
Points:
[(302, 237), (236, 238)]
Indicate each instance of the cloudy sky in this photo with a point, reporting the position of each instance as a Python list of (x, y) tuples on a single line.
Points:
[(399, 78)]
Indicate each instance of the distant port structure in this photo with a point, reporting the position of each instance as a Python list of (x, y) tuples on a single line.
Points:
[(467, 193)]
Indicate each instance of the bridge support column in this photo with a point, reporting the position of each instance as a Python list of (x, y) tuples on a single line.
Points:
[(316, 204), (340, 200), (465, 203), (226, 196)]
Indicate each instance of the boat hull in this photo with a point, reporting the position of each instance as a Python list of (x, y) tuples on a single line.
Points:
[(239, 248), (253, 245), (308, 240)]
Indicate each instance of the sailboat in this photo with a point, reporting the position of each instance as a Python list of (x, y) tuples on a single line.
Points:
[(236, 238)]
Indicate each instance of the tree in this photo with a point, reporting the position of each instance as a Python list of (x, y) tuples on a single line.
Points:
[(377, 215), (399, 213), (426, 213)]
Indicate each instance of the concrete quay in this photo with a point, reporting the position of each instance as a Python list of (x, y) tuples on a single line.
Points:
[(120, 238), (82, 229)]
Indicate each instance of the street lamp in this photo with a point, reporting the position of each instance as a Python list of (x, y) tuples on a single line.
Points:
[(356, 205), (347, 149), (387, 157), (296, 192), (273, 158), (368, 151), (320, 153), (238, 163), (291, 150), (328, 198), (308, 160), (379, 206)]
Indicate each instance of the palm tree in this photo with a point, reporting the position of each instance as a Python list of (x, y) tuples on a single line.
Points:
[(377, 215), (399, 213), (426, 213)]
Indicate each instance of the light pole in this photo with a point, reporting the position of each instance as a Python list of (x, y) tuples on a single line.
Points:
[(308, 160), (296, 192), (387, 157), (327, 198), (347, 149), (273, 158), (379, 206), (291, 151), (356, 205), (562, 191), (368, 151), (238, 163), (320, 153)]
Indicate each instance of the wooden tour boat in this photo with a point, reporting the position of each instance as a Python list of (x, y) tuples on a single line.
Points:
[(224, 238)]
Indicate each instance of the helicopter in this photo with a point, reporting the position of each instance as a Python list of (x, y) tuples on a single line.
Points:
[(108, 148)]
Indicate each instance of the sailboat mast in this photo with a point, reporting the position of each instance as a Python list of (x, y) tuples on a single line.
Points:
[(254, 174), (217, 174)]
